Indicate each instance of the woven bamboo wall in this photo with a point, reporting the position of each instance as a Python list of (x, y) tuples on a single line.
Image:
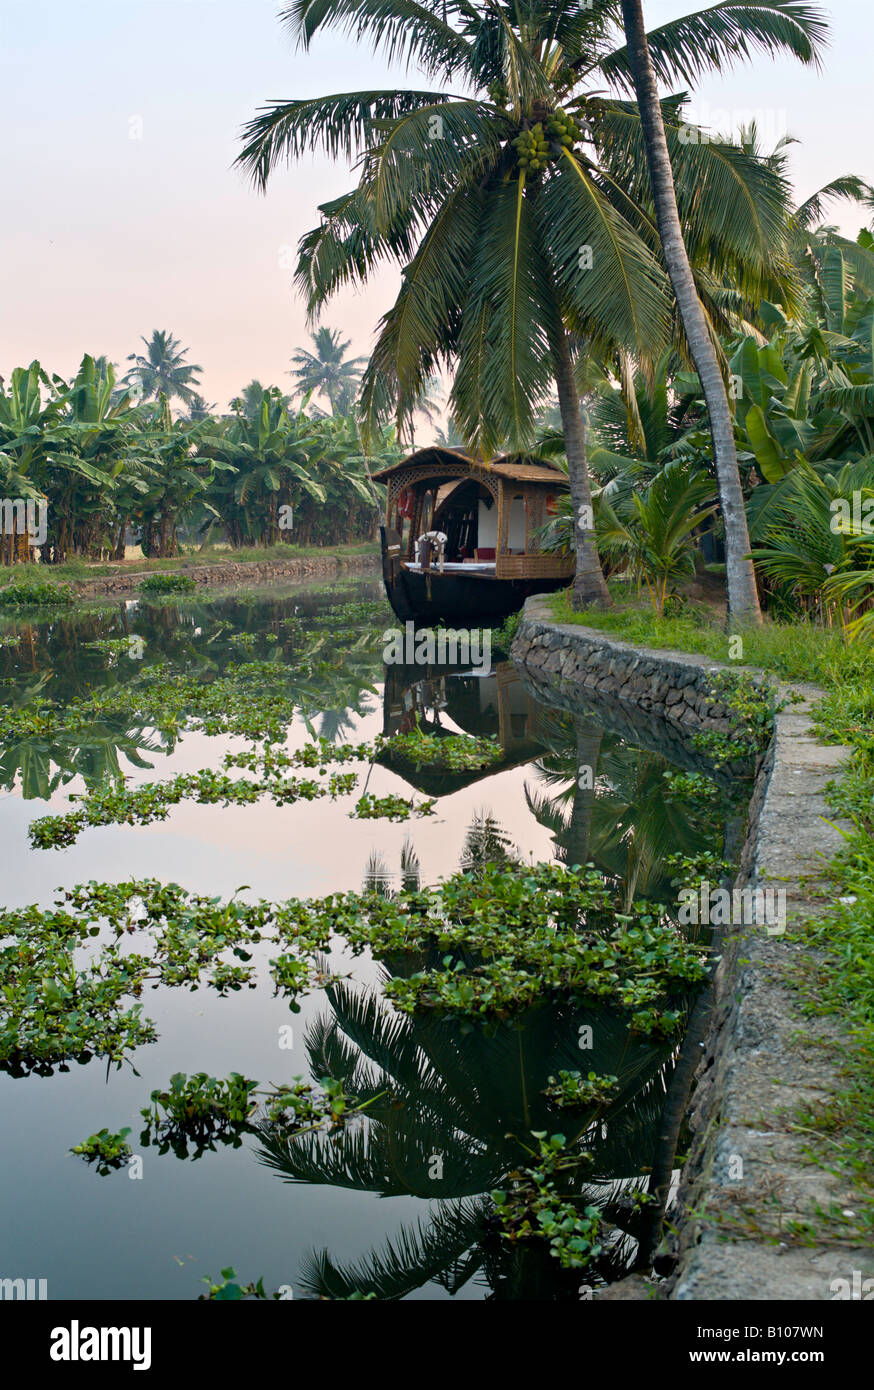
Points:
[(534, 566)]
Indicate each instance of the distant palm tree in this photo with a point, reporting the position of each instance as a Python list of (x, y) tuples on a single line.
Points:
[(163, 369), (452, 437), (327, 371), (429, 404), (199, 407)]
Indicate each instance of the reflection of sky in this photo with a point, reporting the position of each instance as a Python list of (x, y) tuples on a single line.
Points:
[(281, 851), (114, 236), (114, 1237)]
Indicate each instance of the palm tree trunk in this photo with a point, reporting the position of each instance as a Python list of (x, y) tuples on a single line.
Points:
[(579, 829), (590, 586), (670, 1124), (743, 599)]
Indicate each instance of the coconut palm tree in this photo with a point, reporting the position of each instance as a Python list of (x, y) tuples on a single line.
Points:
[(199, 408), (162, 370), (743, 601), (429, 405), (523, 240), (809, 236), (652, 528), (327, 370), (815, 553)]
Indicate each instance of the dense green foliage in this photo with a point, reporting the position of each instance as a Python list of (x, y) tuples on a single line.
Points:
[(105, 462), (803, 387)]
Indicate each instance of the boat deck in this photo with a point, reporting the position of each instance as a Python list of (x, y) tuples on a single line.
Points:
[(454, 567)]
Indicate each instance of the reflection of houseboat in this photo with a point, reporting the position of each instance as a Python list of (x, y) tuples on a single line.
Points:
[(489, 515), (443, 702)]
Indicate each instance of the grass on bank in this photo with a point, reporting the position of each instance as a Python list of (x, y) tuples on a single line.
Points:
[(840, 982), (189, 557)]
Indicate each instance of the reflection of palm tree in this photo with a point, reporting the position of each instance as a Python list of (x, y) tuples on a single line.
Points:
[(40, 767), (588, 753), (196, 639), (451, 1118), (624, 822), (378, 876), (486, 843)]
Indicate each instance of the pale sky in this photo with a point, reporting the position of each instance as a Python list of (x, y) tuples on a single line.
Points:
[(106, 237)]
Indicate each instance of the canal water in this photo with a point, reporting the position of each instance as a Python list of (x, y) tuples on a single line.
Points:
[(396, 1206)]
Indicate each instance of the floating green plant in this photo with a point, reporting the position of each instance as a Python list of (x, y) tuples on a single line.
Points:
[(153, 801), (168, 584), (105, 1150), (571, 1090), (454, 752), (534, 1209), (396, 808), (505, 939)]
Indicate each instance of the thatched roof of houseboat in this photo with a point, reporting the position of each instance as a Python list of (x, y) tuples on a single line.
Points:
[(522, 468)]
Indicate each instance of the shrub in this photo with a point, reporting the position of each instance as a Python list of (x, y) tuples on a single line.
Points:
[(168, 584), (35, 595)]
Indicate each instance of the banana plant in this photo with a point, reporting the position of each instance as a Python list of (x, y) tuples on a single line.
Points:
[(97, 446), (269, 451), (176, 479), (772, 420), (808, 392), (25, 417)]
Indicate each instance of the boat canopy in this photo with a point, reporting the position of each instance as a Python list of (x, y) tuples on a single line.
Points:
[(491, 511)]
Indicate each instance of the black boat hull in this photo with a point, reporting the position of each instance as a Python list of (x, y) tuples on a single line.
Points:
[(477, 599)]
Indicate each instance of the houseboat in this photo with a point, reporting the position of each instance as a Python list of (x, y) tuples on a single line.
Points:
[(460, 543)]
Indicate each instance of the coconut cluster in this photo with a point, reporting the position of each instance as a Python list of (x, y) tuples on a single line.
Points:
[(498, 93), (537, 145), (563, 128)]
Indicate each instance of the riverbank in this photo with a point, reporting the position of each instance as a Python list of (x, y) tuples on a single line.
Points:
[(775, 1201), (217, 569)]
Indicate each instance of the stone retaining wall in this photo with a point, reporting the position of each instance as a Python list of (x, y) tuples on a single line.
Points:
[(645, 729), (235, 572), (747, 1180), (673, 685)]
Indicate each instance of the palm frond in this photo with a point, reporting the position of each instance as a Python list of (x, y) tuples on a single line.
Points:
[(341, 124), (614, 290), (720, 36), (408, 1260)]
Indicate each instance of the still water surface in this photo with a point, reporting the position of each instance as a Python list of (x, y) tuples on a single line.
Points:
[(366, 1203)]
